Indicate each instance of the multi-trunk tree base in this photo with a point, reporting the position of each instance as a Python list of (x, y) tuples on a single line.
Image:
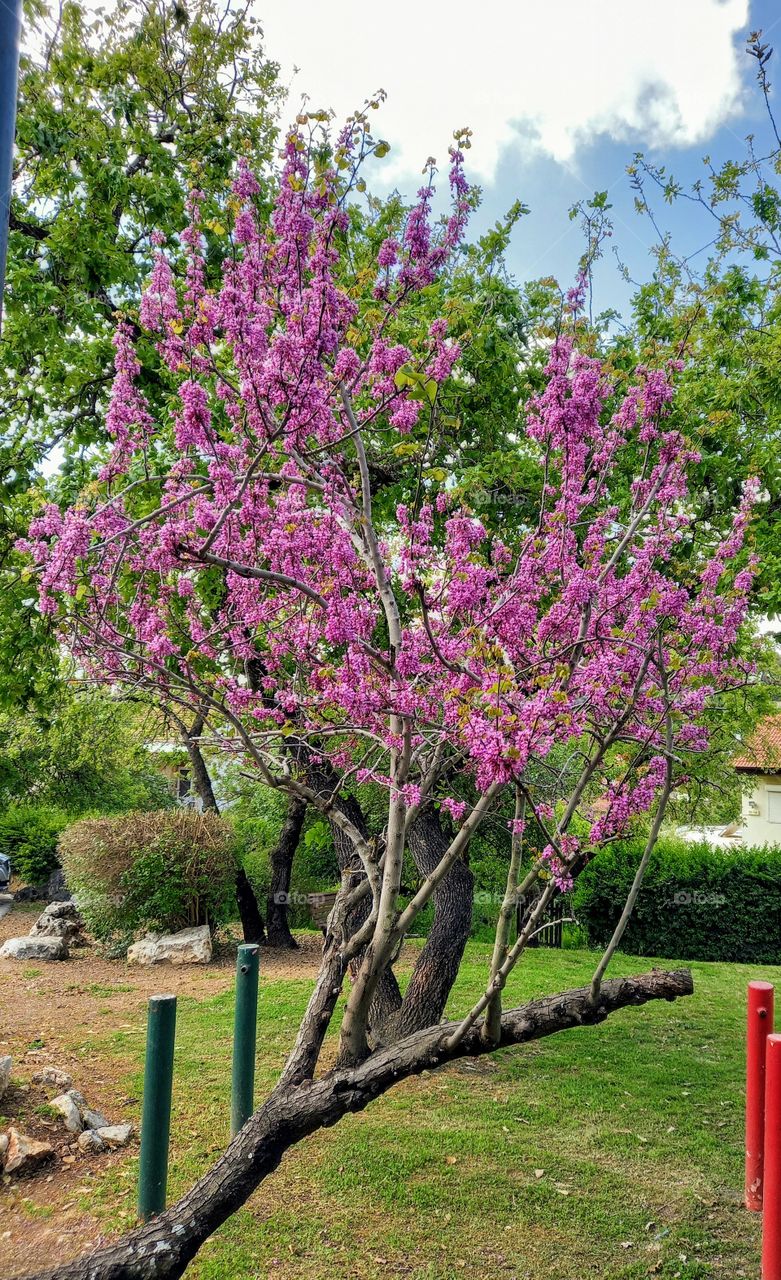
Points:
[(162, 1249)]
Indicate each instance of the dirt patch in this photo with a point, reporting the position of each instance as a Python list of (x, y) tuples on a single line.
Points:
[(48, 1010)]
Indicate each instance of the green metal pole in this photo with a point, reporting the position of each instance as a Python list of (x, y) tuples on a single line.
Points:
[(244, 1036), (10, 24), (156, 1109)]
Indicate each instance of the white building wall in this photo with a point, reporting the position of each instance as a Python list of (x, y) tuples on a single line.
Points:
[(761, 811)]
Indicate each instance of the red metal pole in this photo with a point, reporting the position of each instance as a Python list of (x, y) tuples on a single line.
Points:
[(771, 1216), (760, 1026)]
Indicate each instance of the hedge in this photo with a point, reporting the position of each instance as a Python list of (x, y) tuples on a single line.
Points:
[(696, 902), (29, 835)]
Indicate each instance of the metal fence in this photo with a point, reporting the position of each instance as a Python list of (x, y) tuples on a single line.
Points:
[(550, 929)]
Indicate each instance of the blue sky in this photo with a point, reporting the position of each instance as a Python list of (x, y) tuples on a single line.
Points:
[(547, 242), (559, 94)]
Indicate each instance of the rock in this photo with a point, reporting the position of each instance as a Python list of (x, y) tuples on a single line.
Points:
[(188, 946), (89, 1119), (69, 1111), (3, 1147), (34, 949), (46, 927), (55, 1076), (64, 911), (24, 1152), (31, 893), (5, 1074), (91, 1142), (115, 1135), (59, 920), (56, 888), (93, 1119)]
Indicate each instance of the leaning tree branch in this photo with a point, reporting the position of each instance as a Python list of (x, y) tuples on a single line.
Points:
[(164, 1247)]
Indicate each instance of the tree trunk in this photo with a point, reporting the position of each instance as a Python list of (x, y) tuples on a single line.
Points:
[(201, 776), (249, 912), (437, 965), (387, 997), (321, 778), (277, 926), (163, 1248)]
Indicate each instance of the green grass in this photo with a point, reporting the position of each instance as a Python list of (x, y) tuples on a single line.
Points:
[(102, 989), (34, 1210), (613, 1151)]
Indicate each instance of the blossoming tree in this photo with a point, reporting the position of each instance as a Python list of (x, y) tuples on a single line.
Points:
[(234, 560)]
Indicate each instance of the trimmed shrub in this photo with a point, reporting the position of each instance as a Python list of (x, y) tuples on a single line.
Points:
[(696, 902), (29, 835), (165, 870)]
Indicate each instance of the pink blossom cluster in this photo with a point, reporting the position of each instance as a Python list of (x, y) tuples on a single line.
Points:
[(237, 528)]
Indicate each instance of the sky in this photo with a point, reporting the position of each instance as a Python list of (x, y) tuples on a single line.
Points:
[(559, 94)]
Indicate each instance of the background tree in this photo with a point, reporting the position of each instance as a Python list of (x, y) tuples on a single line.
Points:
[(116, 111), (717, 305), (86, 752)]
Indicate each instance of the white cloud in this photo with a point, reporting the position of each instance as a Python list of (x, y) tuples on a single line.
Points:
[(544, 76)]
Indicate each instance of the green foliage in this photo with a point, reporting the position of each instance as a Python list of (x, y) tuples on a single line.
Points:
[(85, 753), (696, 902), (257, 819), (719, 310), (120, 110), (317, 864), (164, 870), (29, 835)]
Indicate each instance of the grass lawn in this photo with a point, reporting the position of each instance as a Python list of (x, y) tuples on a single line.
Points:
[(613, 1151)]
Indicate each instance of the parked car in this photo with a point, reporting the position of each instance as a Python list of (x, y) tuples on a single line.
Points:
[(5, 872)]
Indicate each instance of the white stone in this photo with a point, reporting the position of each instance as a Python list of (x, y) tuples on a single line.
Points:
[(3, 1147), (63, 910), (55, 1076), (58, 920), (115, 1135), (34, 949), (51, 927), (93, 1119), (89, 1119), (91, 1142), (5, 1073), (188, 946), (69, 1111)]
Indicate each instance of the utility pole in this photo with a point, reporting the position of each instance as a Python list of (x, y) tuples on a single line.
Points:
[(10, 24)]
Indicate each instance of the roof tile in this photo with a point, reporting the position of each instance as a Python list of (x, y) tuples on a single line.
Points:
[(763, 748)]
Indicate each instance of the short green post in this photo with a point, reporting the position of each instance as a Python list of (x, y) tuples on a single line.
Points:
[(244, 1036), (156, 1109)]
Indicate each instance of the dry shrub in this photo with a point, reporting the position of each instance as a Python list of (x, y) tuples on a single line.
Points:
[(164, 870)]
